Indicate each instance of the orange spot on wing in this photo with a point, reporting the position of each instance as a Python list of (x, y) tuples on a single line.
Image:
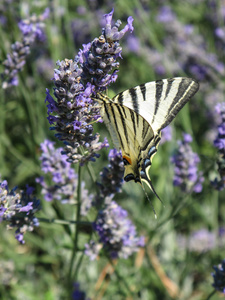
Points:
[(127, 158)]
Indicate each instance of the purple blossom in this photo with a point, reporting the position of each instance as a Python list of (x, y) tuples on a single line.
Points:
[(76, 81), (133, 44), (199, 241), (166, 134), (219, 143), (92, 249), (45, 67), (187, 176), (219, 277), (63, 179), (18, 209), (81, 29), (165, 15), (186, 50), (77, 293), (220, 33), (116, 232), (32, 30), (112, 33), (111, 178)]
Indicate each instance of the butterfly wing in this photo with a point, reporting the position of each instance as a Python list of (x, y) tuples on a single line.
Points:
[(158, 102), (136, 116), (132, 134)]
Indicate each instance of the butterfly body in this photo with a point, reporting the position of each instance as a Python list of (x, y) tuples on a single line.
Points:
[(136, 117)]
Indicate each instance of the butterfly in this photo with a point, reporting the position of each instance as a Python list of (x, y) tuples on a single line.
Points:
[(136, 117)]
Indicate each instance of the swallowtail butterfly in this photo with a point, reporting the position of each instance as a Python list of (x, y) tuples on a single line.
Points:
[(136, 117)]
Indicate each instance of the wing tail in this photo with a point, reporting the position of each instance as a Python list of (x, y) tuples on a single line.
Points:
[(146, 179)]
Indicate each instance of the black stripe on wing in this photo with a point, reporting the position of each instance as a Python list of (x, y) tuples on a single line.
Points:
[(123, 120), (134, 98), (116, 125), (143, 90), (169, 85), (158, 94), (186, 89), (147, 141), (145, 128), (182, 89), (120, 98), (106, 111), (133, 121)]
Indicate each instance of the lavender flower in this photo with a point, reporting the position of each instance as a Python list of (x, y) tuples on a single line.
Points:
[(116, 232), (219, 277), (62, 176), (32, 31), (18, 209), (189, 51), (133, 44), (78, 294), (166, 15), (92, 249), (166, 134), (219, 143), (76, 81), (45, 67), (187, 176), (199, 241), (111, 177)]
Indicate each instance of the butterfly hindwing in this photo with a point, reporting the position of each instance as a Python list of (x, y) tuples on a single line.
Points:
[(132, 134)]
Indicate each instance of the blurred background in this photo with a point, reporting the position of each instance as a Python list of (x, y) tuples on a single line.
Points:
[(170, 38)]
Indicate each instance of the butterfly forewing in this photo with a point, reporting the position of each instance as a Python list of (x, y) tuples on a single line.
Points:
[(158, 102)]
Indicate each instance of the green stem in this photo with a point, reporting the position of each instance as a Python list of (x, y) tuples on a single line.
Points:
[(78, 265), (64, 222), (89, 167), (121, 279), (173, 213), (211, 294), (60, 215), (73, 257), (30, 108)]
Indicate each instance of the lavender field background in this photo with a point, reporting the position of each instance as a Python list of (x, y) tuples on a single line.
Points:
[(70, 227)]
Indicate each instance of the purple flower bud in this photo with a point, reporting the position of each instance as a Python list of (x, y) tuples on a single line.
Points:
[(219, 277), (187, 176), (63, 183), (18, 209), (166, 134), (32, 30), (219, 143), (76, 82), (117, 234)]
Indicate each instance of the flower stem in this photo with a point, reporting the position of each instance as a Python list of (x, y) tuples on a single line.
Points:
[(74, 253), (211, 294), (64, 222), (121, 278)]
